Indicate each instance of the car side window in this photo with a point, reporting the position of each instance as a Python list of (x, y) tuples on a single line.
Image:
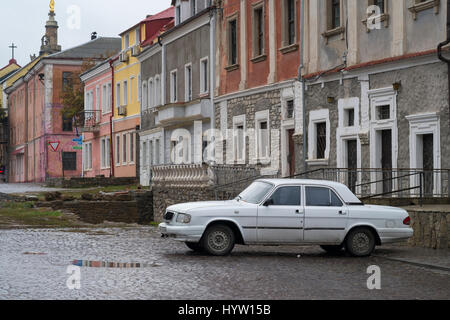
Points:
[(286, 196), (322, 197)]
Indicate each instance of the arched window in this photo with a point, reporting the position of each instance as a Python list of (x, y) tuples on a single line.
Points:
[(144, 96)]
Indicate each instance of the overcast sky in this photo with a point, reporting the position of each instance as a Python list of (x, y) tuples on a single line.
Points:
[(23, 22)]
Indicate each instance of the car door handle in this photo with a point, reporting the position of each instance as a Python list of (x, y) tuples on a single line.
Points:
[(298, 212), (342, 213)]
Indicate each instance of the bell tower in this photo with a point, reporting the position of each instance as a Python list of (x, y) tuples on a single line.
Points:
[(49, 42)]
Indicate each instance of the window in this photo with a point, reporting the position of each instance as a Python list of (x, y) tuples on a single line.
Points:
[(144, 95), (173, 87), (322, 197), (69, 160), (286, 196), (88, 156), (258, 31), (124, 148), (118, 150), (262, 135), (158, 90), (150, 152), (384, 112), (350, 117), (131, 89), (125, 93), (335, 14), (105, 156), (193, 7), (204, 76), (188, 82), (126, 41), (132, 147), (144, 154), (67, 80), (118, 102), (108, 99), (151, 93), (157, 161), (138, 35), (232, 45), (239, 138), (290, 29), (290, 109), (379, 3), (321, 139), (104, 98), (177, 15), (139, 88), (67, 125)]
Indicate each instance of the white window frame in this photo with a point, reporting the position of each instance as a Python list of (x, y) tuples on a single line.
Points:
[(105, 154), (157, 90), (131, 148), (174, 86), (144, 101), (124, 148), (87, 156), (118, 94), (262, 116), (315, 117), (126, 41), (118, 151), (125, 92), (239, 121), (202, 75), (188, 92), (151, 93)]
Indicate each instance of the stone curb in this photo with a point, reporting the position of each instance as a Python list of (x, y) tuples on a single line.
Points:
[(417, 264)]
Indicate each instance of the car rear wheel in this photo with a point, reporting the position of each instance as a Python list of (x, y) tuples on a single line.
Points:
[(218, 240), (194, 246), (360, 242), (332, 249)]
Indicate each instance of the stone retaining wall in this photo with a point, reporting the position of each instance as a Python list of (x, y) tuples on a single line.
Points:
[(431, 228), (134, 207), (72, 183)]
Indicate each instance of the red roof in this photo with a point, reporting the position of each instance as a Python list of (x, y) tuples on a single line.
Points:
[(166, 14)]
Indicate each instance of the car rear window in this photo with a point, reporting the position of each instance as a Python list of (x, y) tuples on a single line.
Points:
[(322, 197)]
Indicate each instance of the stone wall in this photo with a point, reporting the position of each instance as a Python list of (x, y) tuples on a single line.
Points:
[(133, 207), (431, 228), (72, 183)]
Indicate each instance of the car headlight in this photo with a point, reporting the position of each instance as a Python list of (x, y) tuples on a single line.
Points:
[(183, 218)]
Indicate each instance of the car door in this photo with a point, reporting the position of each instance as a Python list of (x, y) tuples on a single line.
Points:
[(281, 216), (326, 216)]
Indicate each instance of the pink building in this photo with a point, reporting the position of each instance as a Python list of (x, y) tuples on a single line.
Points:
[(97, 146)]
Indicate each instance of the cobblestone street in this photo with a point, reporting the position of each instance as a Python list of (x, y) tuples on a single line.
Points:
[(33, 265)]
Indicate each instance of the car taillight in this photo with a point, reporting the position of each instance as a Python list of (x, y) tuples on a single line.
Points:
[(407, 221)]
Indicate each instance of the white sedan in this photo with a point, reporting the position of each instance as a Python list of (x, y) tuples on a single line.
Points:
[(287, 212)]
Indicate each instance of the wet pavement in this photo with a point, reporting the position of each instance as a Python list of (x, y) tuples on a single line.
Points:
[(135, 263)]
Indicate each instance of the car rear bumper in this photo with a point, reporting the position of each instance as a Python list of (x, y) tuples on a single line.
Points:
[(395, 235), (182, 233)]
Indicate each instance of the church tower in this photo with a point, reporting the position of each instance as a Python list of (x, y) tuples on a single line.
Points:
[(49, 42)]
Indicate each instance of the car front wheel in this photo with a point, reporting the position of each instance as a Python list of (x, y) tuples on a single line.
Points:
[(218, 240), (360, 242), (194, 246)]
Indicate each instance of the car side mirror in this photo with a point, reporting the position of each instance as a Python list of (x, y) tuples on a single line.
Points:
[(268, 203)]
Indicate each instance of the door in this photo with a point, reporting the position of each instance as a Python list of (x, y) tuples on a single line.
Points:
[(281, 218), (428, 164), (352, 160), (326, 217), (291, 155), (386, 159)]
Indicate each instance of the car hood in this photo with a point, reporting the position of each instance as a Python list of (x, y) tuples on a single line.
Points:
[(185, 207)]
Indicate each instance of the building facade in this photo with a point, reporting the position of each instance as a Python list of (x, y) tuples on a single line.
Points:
[(377, 94), (177, 100)]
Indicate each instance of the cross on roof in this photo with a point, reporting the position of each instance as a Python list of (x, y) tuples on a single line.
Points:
[(12, 48)]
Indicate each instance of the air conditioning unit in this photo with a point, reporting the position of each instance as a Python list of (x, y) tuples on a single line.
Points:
[(122, 110), (135, 51), (123, 57)]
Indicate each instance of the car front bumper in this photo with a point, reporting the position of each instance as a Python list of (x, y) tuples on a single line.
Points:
[(183, 233), (395, 235)]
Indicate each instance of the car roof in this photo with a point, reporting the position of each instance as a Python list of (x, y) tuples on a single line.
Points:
[(342, 189)]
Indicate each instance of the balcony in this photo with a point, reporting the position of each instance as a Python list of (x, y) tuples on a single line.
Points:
[(89, 121), (178, 113), (188, 175)]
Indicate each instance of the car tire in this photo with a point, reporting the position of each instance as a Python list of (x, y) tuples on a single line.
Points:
[(360, 242), (218, 240), (332, 249), (194, 246)]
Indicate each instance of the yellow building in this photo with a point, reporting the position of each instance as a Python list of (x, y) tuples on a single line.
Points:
[(5, 73), (126, 120)]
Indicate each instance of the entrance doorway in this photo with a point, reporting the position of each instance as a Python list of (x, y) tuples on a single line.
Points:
[(352, 164), (386, 159), (291, 152), (428, 163)]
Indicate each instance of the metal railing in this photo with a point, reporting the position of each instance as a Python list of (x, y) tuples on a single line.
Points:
[(366, 183), (88, 120)]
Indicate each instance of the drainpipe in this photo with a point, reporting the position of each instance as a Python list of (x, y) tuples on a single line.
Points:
[(441, 45), (111, 140), (212, 68), (303, 80)]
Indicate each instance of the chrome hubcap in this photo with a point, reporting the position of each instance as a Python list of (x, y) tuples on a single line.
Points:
[(218, 240), (361, 243)]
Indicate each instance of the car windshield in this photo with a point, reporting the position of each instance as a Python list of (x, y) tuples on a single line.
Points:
[(256, 192)]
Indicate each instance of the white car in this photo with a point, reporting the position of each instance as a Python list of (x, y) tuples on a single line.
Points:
[(287, 212)]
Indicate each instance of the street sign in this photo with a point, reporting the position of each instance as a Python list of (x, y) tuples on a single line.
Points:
[(77, 148), (77, 139), (54, 145)]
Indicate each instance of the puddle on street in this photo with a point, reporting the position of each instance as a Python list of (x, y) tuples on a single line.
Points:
[(117, 265)]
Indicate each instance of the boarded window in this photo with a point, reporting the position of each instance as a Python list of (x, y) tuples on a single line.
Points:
[(69, 160)]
